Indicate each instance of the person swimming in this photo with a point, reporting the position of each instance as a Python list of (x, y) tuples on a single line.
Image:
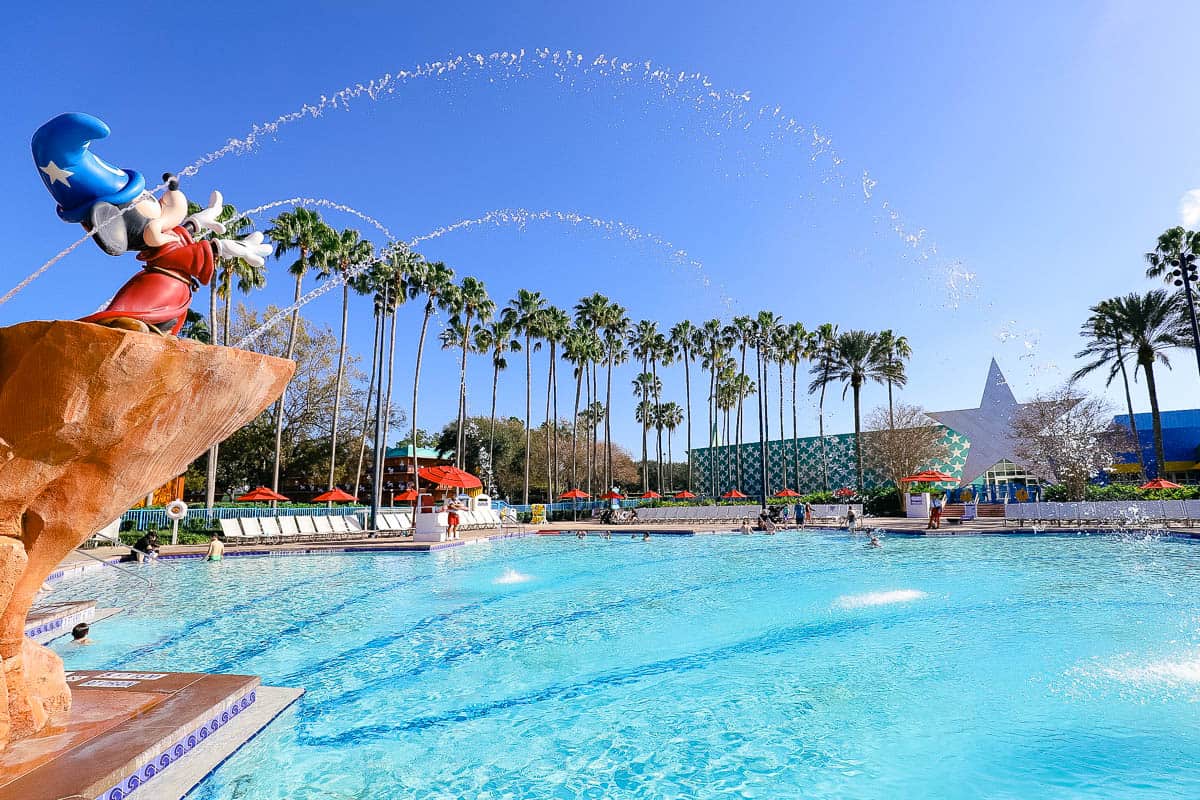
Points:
[(874, 541), (646, 536), (79, 634)]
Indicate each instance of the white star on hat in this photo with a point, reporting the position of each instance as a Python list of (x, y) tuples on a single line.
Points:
[(57, 174)]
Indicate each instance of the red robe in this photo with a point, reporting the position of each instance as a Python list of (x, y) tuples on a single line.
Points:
[(155, 298)]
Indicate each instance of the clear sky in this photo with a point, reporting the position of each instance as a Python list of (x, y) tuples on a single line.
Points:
[(1040, 147)]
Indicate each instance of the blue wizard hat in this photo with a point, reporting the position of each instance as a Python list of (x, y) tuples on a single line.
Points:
[(74, 176)]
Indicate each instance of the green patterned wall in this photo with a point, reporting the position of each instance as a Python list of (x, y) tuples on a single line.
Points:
[(785, 461)]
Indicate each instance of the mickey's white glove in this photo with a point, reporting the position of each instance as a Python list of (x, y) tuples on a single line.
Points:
[(251, 249), (207, 219)]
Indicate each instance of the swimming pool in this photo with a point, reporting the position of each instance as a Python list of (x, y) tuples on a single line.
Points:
[(798, 665)]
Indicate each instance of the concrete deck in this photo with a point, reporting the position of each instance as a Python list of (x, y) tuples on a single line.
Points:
[(129, 729)]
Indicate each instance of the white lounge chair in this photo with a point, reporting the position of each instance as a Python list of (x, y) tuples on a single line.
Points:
[(270, 529), (287, 525), (307, 526), (324, 528), (232, 531), (251, 528)]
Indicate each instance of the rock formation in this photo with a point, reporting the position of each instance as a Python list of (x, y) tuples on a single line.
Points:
[(91, 420)]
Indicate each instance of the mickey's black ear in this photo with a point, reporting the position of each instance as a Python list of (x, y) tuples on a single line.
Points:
[(108, 228)]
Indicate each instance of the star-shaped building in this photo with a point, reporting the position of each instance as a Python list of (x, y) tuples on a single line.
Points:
[(988, 428)]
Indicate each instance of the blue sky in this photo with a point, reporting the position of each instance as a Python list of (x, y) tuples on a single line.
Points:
[(1040, 149)]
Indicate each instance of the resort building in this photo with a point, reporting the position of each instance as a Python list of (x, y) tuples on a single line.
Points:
[(980, 452)]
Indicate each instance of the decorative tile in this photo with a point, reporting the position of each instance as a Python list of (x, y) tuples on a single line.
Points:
[(180, 749)]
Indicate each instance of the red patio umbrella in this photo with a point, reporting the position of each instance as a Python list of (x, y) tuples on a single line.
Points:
[(335, 496), (1160, 483), (610, 495), (406, 497), (574, 494), (650, 495), (450, 476), (787, 493), (845, 491), (260, 495), (684, 495), (930, 476), (733, 494)]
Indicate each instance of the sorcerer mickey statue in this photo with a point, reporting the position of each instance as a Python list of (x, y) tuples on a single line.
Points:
[(113, 205)]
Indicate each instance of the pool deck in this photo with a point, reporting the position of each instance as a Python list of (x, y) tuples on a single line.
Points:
[(141, 734)]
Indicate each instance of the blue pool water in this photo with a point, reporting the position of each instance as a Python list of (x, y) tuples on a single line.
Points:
[(791, 666)]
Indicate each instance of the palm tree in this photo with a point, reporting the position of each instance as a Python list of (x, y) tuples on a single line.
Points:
[(615, 325), (469, 300), (1174, 260), (523, 312), (741, 332), (593, 415), (646, 386), (249, 278), (857, 360), (431, 280), (894, 351), (766, 330), (795, 343), (683, 339), (821, 349), (400, 260), (1151, 323), (373, 281), (581, 347), (589, 314), (670, 416), (300, 231), (500, 339), (341, 252), (1106, 347), (553, 325), (642, 342), (710, 343)]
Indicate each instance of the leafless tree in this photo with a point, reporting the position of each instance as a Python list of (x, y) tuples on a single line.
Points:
[(911, 443), (1068, 437)]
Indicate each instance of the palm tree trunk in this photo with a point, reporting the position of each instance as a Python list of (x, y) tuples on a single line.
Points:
[(784, 451), (670, 461), (416, 386), (337, 391), (657, 425), (291, 351), (387, 398), (764, 431), (492, 436), (362, 442), (687, 386), (821, 434), (645, 424), (1155, 418), (891, 411), (713, 444), (459, 458), (575, 427), (795, 440), (741, 400), (528, 413), (608, 471), (210, 479), (1129, 405), (858, 450), (546, 427), (554, 423)]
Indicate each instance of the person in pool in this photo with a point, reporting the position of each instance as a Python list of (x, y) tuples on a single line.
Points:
[(79, 634), (606, 535), (746, 526), (646, 536), (874, 541), (216, 549)]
